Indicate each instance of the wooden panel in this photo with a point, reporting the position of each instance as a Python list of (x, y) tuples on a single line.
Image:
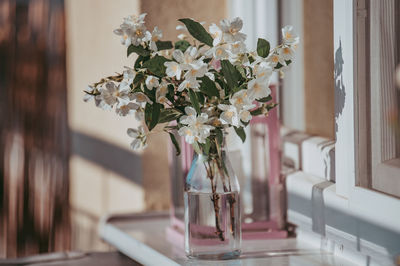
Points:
[(318, 67)]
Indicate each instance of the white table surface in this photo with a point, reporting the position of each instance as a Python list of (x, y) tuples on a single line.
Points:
[(142, 237)]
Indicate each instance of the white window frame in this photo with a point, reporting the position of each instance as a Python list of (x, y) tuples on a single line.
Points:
[(385, 165), (370, 205)]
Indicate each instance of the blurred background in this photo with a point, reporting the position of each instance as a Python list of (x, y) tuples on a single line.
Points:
[(63, 163)]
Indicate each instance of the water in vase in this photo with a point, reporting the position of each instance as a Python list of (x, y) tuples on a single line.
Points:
[(212, 225)]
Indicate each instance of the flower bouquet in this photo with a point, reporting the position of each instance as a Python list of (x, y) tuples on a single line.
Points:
[(197, 87)]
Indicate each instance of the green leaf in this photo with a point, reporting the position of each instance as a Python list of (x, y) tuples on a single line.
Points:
[(148, 110), (140, 60), (139, 78), (138, 50), (230, 73), (219, 135), (263, 47), (288, 62), (278, 66), (197, 31), (240, 132), (207, 146), (156, 65), (182, 45), (163, 45), (207, 86), (265, 99), (271, 106), (152, 115), (155, 116), (176, 144), (257, 111), (168, 115), (194, 101), (241, 71)]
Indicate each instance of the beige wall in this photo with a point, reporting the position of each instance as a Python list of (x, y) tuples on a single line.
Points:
[(93, 51), (318, 67)]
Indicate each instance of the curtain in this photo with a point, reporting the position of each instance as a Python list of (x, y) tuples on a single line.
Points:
[(34, 207)]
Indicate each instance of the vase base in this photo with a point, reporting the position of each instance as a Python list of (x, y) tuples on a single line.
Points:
[(213, 256)]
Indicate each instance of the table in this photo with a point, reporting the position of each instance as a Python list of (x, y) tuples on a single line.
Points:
[(143, 238)]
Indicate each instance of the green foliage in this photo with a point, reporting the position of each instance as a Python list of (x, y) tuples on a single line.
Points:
[(263, 47), (240, 132), (230, 73), (163, 45), (219, 136), (156, 65), (197, 31), (169, 114), (207, 86), (175, 142), (182, 45), (138, 49), (152, 115), (265, 99), (139, 62), (194, 101)]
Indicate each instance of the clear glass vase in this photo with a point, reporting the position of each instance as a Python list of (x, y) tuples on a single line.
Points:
[(212, 209)]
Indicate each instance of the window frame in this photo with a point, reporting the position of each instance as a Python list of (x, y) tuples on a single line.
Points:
[(349, 17), (385, 165)]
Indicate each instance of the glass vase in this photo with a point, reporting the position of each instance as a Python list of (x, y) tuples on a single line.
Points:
[(212, 209)]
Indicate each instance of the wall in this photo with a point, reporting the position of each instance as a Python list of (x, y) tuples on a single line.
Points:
[(105, 175)]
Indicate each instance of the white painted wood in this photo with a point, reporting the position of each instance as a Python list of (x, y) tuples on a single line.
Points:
[(363, 208), (292, 91), (132, 247), (345, 137), (383, 95)]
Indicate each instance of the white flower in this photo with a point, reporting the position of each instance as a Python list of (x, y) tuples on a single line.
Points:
[(258, 88), (241, 99), (262, 70), (189, 84), (173, 69), (286, 52), (216, 33), (161, 92), (129, 75), (196, 128), (139, 138), (188, 133), (245, 116), (197, 69), (126, 108), (185, 58), (125, 31), (275, 58), (210, 76), (229, 116), (110, 94), (152, 82), (237, 47), (155, 36), (217, 52), (231, 30), (141, 98), (132, 30), (289, 36)]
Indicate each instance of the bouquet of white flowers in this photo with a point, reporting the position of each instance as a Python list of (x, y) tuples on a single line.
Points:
[(206, 83)]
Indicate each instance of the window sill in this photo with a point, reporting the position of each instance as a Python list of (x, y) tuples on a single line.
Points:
[(363, 228)]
